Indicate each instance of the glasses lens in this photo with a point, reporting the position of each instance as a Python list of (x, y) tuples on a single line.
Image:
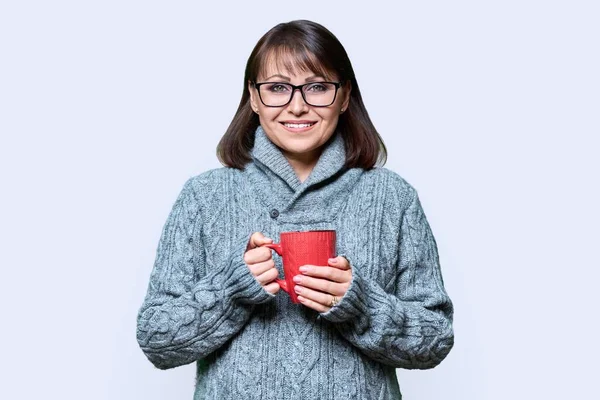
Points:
[(319, 93), (275, 94)]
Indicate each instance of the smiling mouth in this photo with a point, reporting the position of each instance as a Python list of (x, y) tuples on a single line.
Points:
[(297, 125)]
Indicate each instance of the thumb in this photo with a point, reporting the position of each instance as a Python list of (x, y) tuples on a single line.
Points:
[(258, 239), (340, 262)]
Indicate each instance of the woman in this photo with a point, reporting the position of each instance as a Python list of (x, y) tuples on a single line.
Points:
[(300, 154)]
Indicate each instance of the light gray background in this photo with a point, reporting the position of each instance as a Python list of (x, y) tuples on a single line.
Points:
[(490, 109)]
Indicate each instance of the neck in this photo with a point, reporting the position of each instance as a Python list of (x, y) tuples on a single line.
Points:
[(303, 164)]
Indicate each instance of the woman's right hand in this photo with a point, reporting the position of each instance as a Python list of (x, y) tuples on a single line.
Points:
[(260, 262)]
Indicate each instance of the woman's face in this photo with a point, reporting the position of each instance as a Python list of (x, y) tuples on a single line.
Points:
[(298, 129)]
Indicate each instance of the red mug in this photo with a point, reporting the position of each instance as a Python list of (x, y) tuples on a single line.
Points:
[(302, 248)]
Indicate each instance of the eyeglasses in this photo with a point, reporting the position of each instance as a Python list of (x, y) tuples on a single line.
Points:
[(279, 94)]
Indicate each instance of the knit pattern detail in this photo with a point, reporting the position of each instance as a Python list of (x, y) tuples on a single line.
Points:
[(203, 305)]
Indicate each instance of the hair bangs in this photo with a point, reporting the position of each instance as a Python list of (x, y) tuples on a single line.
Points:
[(293, 60)]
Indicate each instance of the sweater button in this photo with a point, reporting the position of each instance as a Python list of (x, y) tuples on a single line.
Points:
[(274, 213)]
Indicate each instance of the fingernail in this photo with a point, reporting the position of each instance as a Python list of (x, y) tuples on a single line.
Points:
[(297, 279), (333, 260), (298, 289), (303, 269)]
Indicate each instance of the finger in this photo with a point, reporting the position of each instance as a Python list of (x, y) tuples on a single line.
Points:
[(272, 287), (318, 297), (339, 262), (322, 285), (258, 239), (313, 304), (268, 276), (257, 255), (331, 273), (259, 268)]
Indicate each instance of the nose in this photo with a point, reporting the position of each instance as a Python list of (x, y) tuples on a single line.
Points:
[(297, 105)]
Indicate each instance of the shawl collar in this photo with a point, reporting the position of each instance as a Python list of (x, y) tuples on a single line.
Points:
[(319, 198), (270, 157)]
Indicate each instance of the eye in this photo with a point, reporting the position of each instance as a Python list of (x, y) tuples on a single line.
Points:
[(316, 88), (278, 88)]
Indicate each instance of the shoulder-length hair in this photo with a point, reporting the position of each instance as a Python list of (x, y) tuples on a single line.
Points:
[(307, 46)]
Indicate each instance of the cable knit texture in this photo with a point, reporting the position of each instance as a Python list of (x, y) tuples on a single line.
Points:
[(203, 305)]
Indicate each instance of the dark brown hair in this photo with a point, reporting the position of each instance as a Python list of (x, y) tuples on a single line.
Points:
[(307, 46)]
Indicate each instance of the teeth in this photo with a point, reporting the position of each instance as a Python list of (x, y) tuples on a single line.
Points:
[(298, 125)]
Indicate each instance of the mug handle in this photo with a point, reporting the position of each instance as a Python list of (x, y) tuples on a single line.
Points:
[(279, 250)]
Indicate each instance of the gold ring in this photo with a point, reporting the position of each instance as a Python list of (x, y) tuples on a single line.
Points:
[(334, 301)]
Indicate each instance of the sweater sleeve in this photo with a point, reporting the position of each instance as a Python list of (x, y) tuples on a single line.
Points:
[(412, 327), (192, 308)]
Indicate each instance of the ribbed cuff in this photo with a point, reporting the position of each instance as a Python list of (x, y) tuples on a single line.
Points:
[(240, 284)]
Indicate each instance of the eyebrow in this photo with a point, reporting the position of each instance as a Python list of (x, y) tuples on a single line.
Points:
[(287, 79)]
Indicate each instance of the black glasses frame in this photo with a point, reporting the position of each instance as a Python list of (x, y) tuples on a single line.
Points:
[(257, 85)]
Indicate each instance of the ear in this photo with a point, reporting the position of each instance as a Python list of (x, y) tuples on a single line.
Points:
[(347, 88), (253, 97)]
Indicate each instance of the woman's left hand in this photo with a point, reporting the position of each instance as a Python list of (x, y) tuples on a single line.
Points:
[(322, 287)]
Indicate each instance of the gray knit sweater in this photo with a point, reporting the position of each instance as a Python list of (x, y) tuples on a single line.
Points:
[(204, 305)]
